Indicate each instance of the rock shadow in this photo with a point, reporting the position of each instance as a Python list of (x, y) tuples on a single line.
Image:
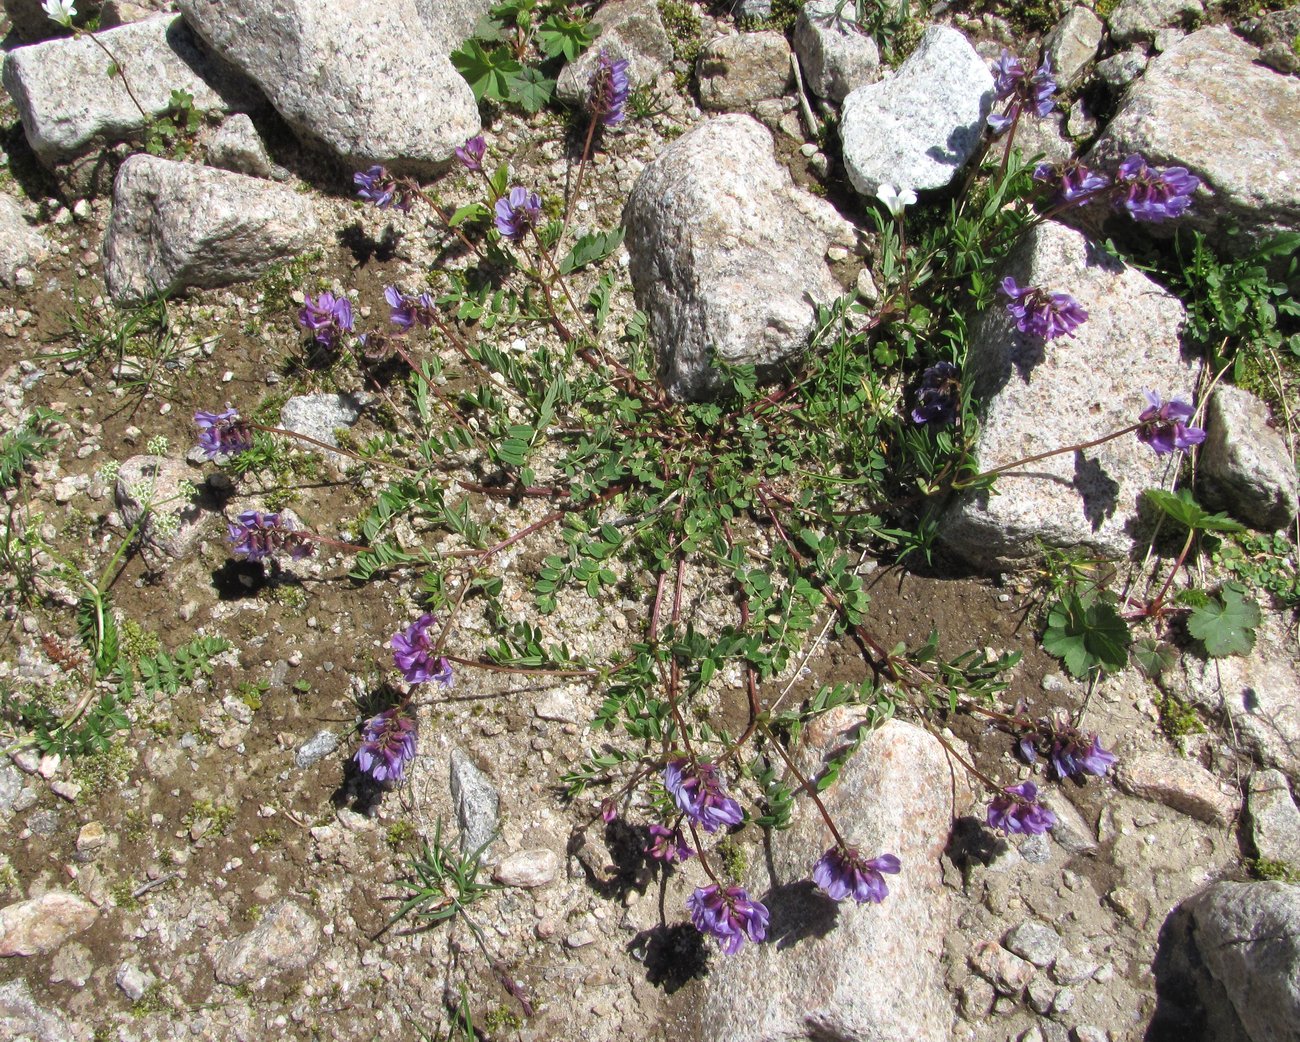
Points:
[(365, 247), (1100, 492), (673, 955)]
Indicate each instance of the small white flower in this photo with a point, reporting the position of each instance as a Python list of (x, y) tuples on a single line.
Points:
[(157, 445), (895, 200), (61, 11)]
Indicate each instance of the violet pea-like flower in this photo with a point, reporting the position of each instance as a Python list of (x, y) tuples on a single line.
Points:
[(387, 745), (843, 872), (1163, 425), (1151, 194), (1042, 314), (256, 536), (223, 433), (406, 311), (471, 153), (413, 653), (938, 398), (609, 89), (1017, 809), (697, 791), (730, 915), (327, 317), (668, 845), (377, 186), (1075, 183), (516, 212)]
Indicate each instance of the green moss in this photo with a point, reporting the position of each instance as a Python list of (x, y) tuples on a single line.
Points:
[(137, 825), (277, 286), (502, 1019), (218, 815), (1274, 871), (682, 22), (400, 832), (269, 837), (123, 895), (1177, 719), (733, 858), (151, 1001), (138, 642), (99, 772)]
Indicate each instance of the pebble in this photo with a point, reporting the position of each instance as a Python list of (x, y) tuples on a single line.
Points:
[(49, 766), (1008, 973), (68, 790), (580, 939), (528, 868), (42, 924), (316, 748), (132, 981), (92, 837), (1035, 942)]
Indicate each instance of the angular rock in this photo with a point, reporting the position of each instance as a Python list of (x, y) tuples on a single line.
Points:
[(1274, 819), (837, 57), (1119, 70), (1134, 20), (41, 925), (727, 256), (368, 81), (176, 226), (1073, 43), (123, 12), (1034, 942), (846, 971), (736, 72), (23, 1018), (11, 784), (285, 939), (451, 21), (1275, 33), (1187, 112), (528, 869), (477, 803), (236, 146), (132, 980), (1039, 396), (1245, 466), (315, 749), (320, 415), (917, 128), (625, 29), (1009, 974), (152, 485), (1185, 786), (1238, 946), (70, 107), (21, 245)]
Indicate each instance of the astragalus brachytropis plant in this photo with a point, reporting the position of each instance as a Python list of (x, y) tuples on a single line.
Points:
[(771, 493)]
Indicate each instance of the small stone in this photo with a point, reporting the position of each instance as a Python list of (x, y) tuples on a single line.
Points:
[(477, 803), (1036, 942), (49, 766), (285, 939), (1130, 904), (1274, 819), (1071, 969), (1073, 43), (736, 72), (528, 869), (68, 790), (41, 925), (72, 964), (316, 748), (1185, 786), (132, 981), (837, 57), (580, 939), (866, 286), (1009, 974), (976, 997), (92, 837), (558, 705), (1089, 1033), (1041, 996), (1119, 70)]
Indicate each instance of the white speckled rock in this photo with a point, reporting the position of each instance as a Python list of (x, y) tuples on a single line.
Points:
[(528, 869), (727, 255), (1245, 466), (21, 245), (837, 57), (918, 127), (736, 72), (285, 939), (41, 925), (626, 29)]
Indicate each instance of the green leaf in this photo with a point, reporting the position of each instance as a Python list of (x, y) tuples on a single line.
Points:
[(591, 248), (1086, 635), (465, 214), (531, 89), (1153, 656), (1226, 626), (1181, 507), (488, 73), (560, 36)]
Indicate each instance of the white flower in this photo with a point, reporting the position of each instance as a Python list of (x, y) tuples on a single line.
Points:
[(895, 200), (61, 11)]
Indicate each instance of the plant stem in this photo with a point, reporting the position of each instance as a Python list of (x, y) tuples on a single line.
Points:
[(1046, 455), (328, 447)]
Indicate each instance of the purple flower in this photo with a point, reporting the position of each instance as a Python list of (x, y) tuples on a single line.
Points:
[(729, 915), (223, 433), (413, 653), (1018, 810), (1020, 91), (697, 791), (517, 212), (939, 396), (608, 90), (407, 310), (328, 317), (1164, 425), (1076, 185), (668, 845), (376, 186), (256, 536), (1149, 194), (1071, 753), (1008, 71), (471, 153), (387, 745), (1042, 314), (842, 872)]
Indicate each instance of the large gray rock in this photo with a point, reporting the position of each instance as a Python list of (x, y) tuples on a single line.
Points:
[(1073, 43), (285, 939), (176, 225), (21, 245), (868, 973), (837, 57), (736, 72), (918, 127), (23, 1018), (1274, 819), (625, 29), (1245, 466), (237, 146), (478, 804), (1238, 944), (1188, 111), (451, 21), (1038, 396), (71, 107), (1276, 32), (727, 255), (367, 80), (1141, 19)]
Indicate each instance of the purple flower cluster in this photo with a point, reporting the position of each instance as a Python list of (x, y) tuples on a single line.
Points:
[(471, 153), (387, 745), (939, 396), (1017, 810), (413, 653), (668, 845), (1164, 425), (256, 536), (1042, 314), (1151, 194), (516, 212), (607, 95), (730, 915), (697, 791), (1075, 183), (327, 317), (406, 310), (377, 186), (1071, 753), (223, 433), (1020, 91), (843, 872)]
